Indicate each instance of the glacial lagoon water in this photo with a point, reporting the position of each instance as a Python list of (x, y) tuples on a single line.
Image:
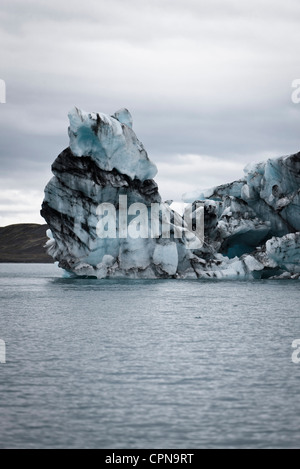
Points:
[(147, 364)]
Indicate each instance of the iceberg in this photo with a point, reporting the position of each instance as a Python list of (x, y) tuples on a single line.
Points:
[(104, 176), (110, 142), (252, 225), (101, 204)]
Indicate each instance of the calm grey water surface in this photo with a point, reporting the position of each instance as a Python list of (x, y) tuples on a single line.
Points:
[(147, 364)]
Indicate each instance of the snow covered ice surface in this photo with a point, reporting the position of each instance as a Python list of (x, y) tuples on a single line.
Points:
[(251, 225)]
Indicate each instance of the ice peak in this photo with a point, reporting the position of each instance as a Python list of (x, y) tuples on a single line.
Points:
[(124, 116), (110, 142)]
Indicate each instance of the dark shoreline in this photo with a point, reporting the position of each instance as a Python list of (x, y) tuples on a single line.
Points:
[(24, 244)]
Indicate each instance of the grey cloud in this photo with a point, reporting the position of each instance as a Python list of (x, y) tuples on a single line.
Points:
[(206, 78)]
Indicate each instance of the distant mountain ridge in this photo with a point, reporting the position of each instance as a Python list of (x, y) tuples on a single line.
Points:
[(24, 243)]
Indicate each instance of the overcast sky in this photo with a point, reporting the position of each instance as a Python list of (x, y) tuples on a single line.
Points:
[(208, 83)]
